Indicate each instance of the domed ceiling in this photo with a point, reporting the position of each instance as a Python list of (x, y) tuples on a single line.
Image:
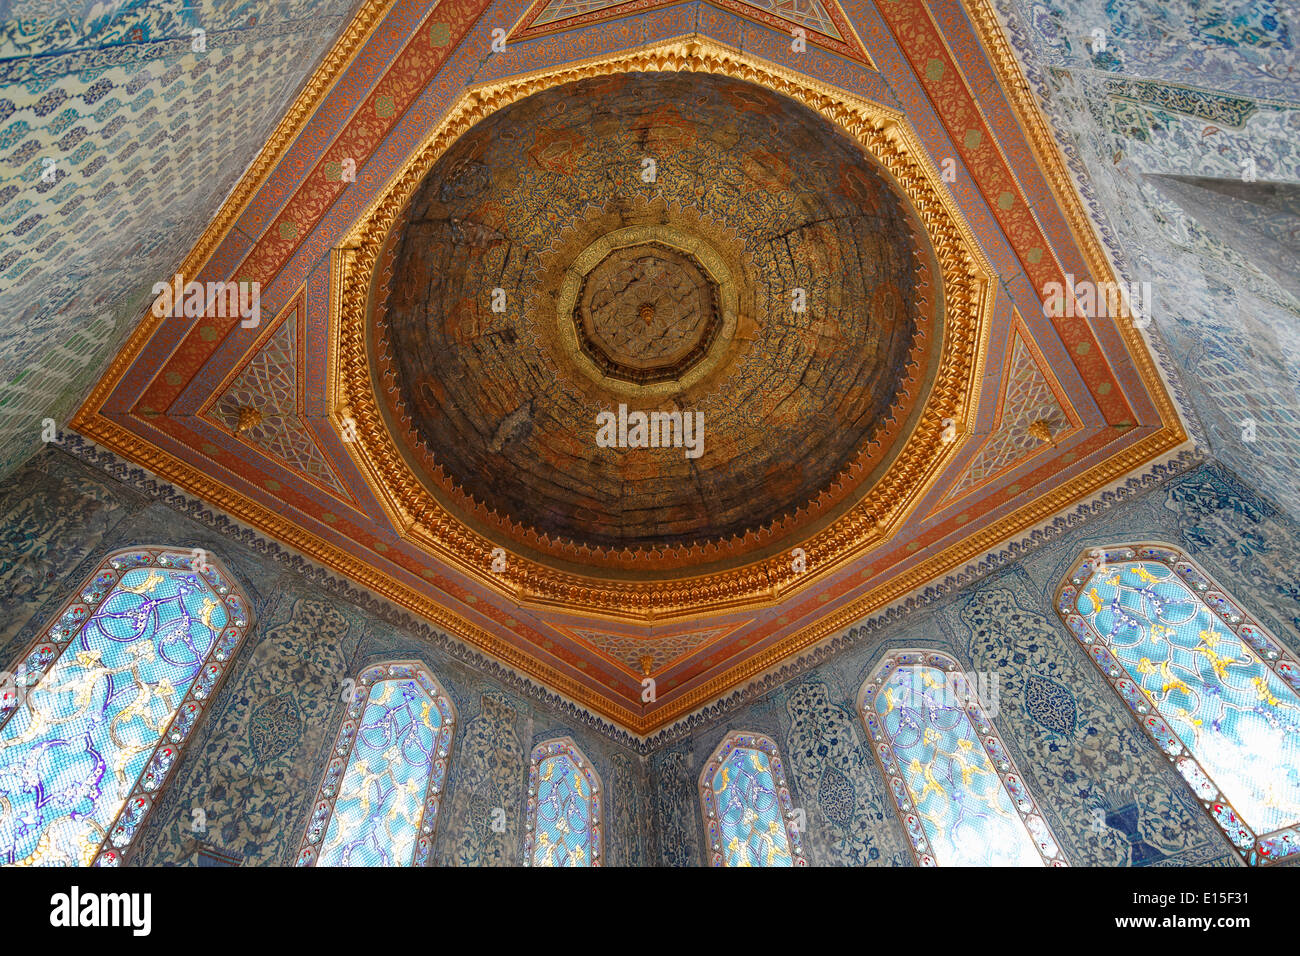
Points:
[(470, 258), (669, 243)]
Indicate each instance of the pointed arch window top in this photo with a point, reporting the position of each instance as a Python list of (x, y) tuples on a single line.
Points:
[(959, 794), (378, 802), (749, 817), (104, 700), (564, 823), (1211, 686)]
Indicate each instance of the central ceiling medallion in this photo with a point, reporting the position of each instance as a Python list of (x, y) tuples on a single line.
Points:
[(794, 280), (647, 305), (646, 314)]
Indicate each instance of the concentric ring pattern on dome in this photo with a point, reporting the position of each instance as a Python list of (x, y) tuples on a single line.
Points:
[(673, 243)]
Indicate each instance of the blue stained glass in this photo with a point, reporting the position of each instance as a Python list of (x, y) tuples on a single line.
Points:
[(750, 817), (376, 818), (565, 804), (1231, 711), (84, 746), (962, 801)]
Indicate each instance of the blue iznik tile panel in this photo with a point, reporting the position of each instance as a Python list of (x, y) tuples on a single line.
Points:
[(1106, 790), (244, 788), (1141, 92), (118, 142), (1239, 46)]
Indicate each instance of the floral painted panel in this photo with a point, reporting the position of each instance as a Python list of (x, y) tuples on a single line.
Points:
[(564, 808), (961, 799), (101, 704), (747, 807), (379, 800), (1216, 692)]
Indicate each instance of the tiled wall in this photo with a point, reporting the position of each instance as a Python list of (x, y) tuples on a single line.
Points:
[(255, 764), (1208, 93), (118, 142), (254, 767), (1073, 739)]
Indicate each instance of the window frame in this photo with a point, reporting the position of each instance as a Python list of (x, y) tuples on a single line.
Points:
[(327, 792), (1254, 849), (566, 746), (882, 749), (64, 627), (746, 740)]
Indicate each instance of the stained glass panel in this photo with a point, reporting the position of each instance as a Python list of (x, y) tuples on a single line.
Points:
[(105, 699), (961, 799), (1215, 691), (564, 808), (379, 800), (748, 812)]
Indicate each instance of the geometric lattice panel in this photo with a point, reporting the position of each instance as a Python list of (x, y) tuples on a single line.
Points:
[(269, 384), (648, 655), (822, 21), (1027, 398)]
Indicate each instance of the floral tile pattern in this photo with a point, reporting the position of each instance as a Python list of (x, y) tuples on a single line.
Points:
[(118, 141)]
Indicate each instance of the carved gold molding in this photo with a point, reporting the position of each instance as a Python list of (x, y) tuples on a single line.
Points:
[(968, 301)]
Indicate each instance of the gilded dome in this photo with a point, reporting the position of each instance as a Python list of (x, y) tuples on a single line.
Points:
[(688, 247)]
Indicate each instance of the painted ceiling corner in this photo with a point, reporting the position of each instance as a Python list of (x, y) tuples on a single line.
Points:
[(813, 244)]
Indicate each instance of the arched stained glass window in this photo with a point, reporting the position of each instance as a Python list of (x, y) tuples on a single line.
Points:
[(749, 819), (1211, 686), (102, 702), (958, 792), (564, 808), (378, 803)]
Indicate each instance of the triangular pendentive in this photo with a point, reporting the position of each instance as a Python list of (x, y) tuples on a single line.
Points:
[(823, 21), (1027, 398), (261, 406), (648, 655)]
